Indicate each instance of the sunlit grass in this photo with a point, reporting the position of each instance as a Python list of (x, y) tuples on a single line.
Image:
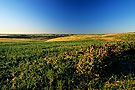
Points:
[(92, 63)]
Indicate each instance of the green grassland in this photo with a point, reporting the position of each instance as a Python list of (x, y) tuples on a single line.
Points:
[(103, 62)]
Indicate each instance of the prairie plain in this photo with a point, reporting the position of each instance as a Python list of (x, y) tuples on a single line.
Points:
[(67, 61)]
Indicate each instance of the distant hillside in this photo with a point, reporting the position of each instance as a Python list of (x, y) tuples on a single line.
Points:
[(114, 36), (28, 37)]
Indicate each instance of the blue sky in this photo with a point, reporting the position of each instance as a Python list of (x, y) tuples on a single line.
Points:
[(67, 16)]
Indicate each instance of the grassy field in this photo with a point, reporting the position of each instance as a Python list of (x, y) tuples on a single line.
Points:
[(29, 37), (68, 62), (110, 37)]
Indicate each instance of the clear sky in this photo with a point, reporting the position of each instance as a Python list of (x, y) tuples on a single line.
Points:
[(67, 16)]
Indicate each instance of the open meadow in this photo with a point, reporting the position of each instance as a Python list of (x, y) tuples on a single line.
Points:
[(67, 61)]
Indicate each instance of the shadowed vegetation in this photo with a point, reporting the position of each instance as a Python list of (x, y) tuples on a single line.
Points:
[(81, 64)]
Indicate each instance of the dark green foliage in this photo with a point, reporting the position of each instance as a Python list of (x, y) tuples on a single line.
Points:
[(34, 36), (67, 65)]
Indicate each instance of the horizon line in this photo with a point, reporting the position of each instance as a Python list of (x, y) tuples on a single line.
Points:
[(64, 33)]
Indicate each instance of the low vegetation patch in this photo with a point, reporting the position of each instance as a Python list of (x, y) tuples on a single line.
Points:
[(68, 65)]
